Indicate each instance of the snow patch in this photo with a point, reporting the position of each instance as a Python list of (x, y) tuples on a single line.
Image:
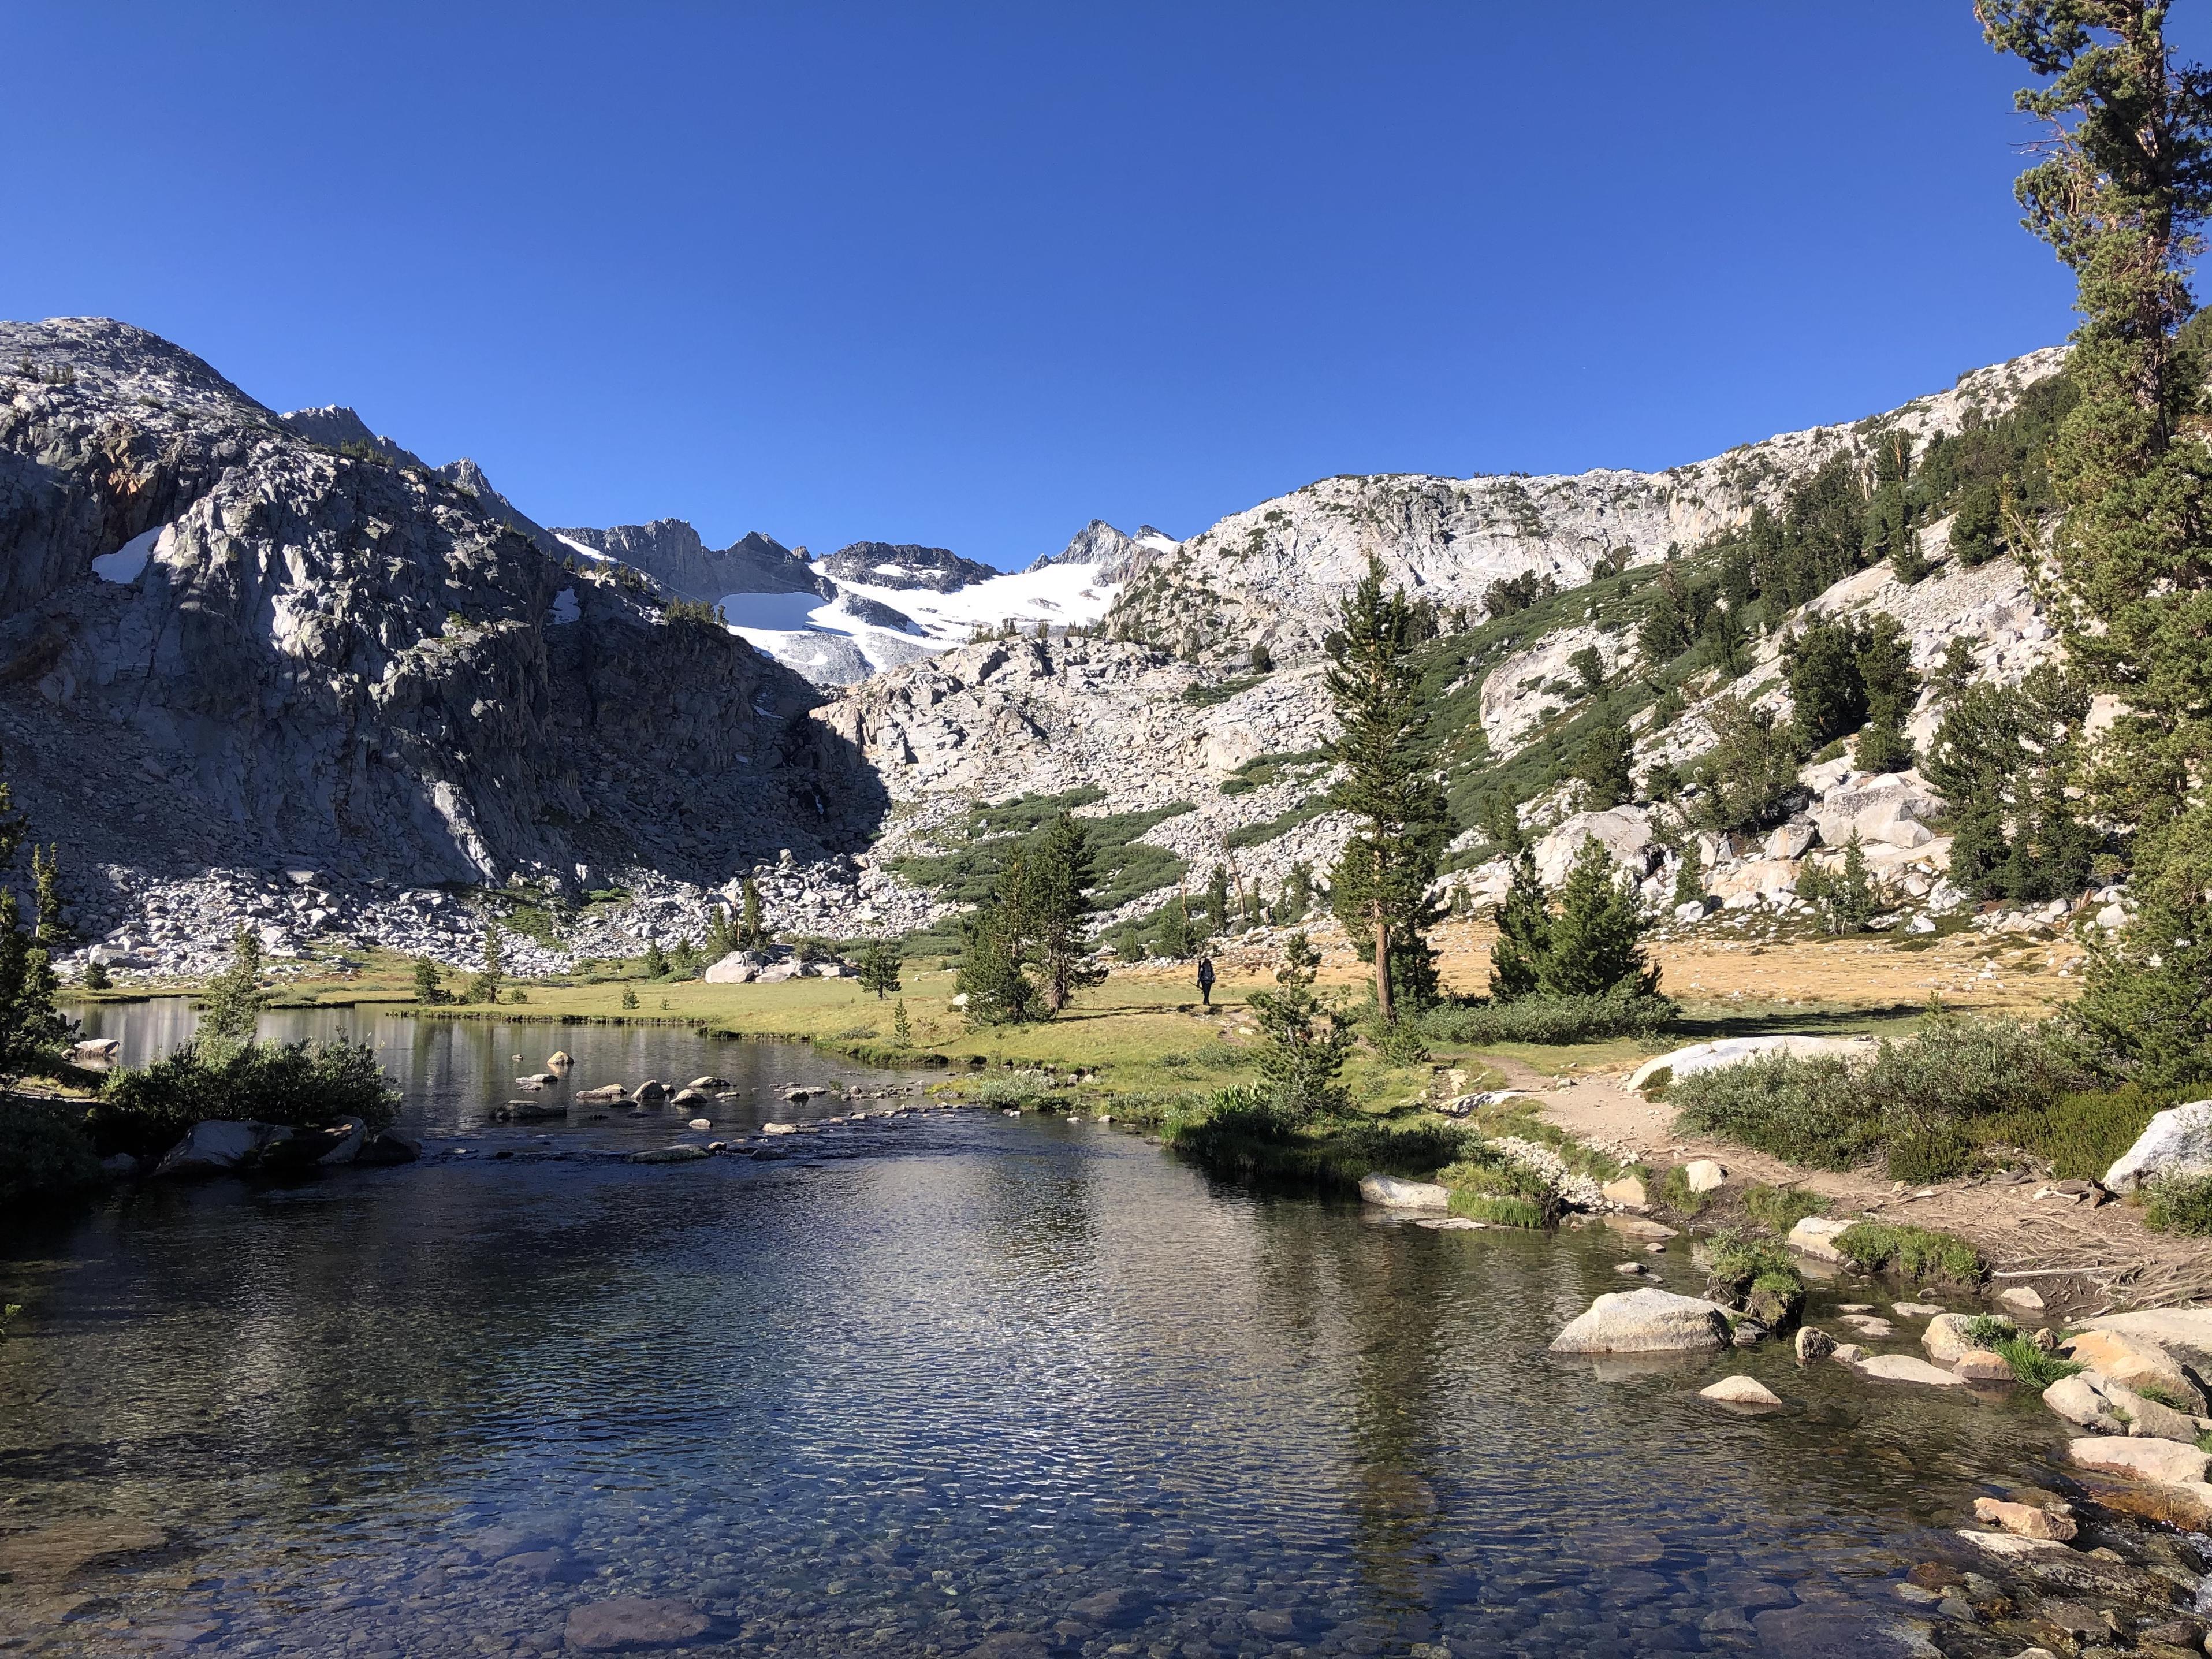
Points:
[(128, 562), (592, 553), (565, 607)]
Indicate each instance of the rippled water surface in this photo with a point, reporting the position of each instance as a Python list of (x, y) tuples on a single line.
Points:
[(934, 1385)]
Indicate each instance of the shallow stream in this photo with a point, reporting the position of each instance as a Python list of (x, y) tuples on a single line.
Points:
[(933, 1384)]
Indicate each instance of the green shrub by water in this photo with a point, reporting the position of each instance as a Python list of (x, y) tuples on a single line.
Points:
[(2179, 1204), (1235, 1131), (1021, 1091), (1923, 1106), (1674, 1192), (1918, 1253), (1486, 1185), (1778, 1209), (1549, 1019), (45, 1155), (145, 1110)]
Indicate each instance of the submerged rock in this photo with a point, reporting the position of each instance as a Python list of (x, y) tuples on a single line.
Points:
[(220, 1147), (1813, 1344), (631, 1624), (1906, 1368), (1647, 1321), (669, 1155), (1984, 1366)]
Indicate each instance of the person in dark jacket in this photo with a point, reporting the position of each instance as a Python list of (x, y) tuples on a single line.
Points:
[(1206, 980)]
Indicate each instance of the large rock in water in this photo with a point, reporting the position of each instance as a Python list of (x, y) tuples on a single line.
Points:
[(2134, 1362), (1394, 1193), (220, 1147), (2168, 1461), (2177, 1141), (1647, 1321)]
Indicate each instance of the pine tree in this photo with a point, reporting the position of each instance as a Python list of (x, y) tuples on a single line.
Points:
[(1885, 661), (1297, 893), (683, 961), (484, 986), (2121, 192), (752, 932), (231, 1004), (1907, 561), (721, 938), (1524, 933), (994, 971), (902, 1027), (1603, 766), (96, 977), (1689, 875), (1379, 888), (429, 985), (879, 971), (1061, 874), (1171, 934), (655, 961), (1303, 1044), (1596, 942), (1847, 898), (1217, 902)]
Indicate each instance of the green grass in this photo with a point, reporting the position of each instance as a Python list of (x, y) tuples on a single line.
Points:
[(1918, 1252), (1486, 1185), (1203, 694), (2030, 1366), (1674, 1192), (1780, 1208)]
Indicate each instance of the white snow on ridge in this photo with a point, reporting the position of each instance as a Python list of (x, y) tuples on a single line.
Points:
[(588, 552), (1065, 595)]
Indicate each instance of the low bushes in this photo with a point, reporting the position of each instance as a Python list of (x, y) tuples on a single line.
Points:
[(1674, 1192), (2179, 1204), (1753, 1271), (1549, 1019), (1778, 1209), (1487, 1185), (1914, 1252), (1923, 1106), (2030, 1366), (45, 1157), (145, 1110), (1022, 1091), (1236, 1132)]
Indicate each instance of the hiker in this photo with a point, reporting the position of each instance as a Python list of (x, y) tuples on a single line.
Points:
[(1206, 980)]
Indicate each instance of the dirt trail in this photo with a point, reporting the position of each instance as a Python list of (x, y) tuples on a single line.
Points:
[(2077, 1257)]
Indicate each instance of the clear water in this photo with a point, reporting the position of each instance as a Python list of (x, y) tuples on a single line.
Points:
[(939, 1385)]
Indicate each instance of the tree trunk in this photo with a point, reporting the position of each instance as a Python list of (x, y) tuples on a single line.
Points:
[(1382, 967)]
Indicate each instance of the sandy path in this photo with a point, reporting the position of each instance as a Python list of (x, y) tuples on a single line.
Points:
[(2077, 1258)]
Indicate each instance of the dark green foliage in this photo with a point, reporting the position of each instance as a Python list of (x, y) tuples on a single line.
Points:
[(1908, 562), (1595, 943), (429, 984), (879, 972), (1915, 1253), (752, 932), (1217, 901), (484, 984), (2004, 755), (1504, 597), (145, 1110), (655, 960), (1297, 895), (1604, 763), (2179, 1204), (1486, 1185), (1379, 888), (2032, 1368), (45, 1155), (902, 1027), (1778, 1209), (1262, 658), (1124, 867), (1974, 532), (1545, 1020), (2145, 1012), (1845, 898), (1305, 1044), (1173, 937), (1752, 1271), (1748, 778), (1059, 874), (993, 974), (1846, 671), (1258, 835), (96, 976), (721, 938), (1590, 669), (698, 613), (232, 1003), (683, 961), (1524, 933), (1205, 694)]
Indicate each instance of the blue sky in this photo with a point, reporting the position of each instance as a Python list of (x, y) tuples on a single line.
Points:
[(974, 274)]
